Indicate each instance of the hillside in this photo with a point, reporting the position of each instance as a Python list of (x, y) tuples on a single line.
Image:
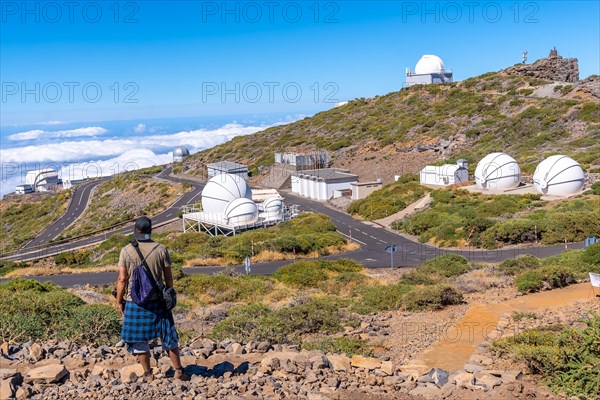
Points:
[(124, 197), (528, 117), (23, 217)]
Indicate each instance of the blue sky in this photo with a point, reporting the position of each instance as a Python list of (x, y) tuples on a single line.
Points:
[(173, 59)]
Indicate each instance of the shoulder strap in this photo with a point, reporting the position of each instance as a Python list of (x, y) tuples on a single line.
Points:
[(144, 264)]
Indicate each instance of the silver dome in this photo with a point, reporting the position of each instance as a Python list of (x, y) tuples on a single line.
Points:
[(181, 151)]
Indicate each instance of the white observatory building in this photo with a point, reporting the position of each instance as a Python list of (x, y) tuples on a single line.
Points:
[(497, 171), (180, 153), (430, 69), (558, 176), (228, 208), (445, 175)]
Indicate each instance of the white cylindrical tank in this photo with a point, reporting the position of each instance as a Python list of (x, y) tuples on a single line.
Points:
[(497, 171), (241, 211), (273, 207), (221, 189), (558, 176)]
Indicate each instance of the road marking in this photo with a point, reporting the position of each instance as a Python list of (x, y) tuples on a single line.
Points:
[(364, 233), (351, 238), (373, 237)]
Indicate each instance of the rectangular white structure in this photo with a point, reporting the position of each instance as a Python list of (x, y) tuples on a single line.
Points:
[(320, 184), (360, 190), (445, 175)]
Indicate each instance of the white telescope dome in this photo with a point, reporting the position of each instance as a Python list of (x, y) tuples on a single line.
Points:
[(273, 206), (241, 211), (221, 189), (558, 176), (497, 171), (429, 64)]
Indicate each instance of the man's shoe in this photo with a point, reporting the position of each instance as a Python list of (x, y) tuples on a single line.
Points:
[(147, 377), (181, 375)]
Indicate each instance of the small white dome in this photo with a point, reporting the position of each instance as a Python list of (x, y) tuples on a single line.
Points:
[(558, 176), (221, 189), (273, 207), (241, 211), (497, 171), (429, 64), (181, 151)]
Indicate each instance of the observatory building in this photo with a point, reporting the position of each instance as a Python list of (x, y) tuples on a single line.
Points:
[(445, 175), (320, 184), (558, 176), (497, 171), (40, 180), (228, 208), (430, 69), (180, 153), (227, 167)]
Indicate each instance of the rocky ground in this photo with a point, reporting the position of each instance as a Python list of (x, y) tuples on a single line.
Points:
[(229, 370)]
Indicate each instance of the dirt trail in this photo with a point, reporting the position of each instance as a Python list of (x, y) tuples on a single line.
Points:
[(480, 323)]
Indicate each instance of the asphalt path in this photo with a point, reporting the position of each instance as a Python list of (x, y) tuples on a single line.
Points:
[(77, 206), (372, 238), (168, 215)]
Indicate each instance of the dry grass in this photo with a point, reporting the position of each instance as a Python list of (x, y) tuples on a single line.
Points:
[(44, 271), (267, 256)]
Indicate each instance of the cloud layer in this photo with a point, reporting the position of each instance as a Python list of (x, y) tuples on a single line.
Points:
[(42, 134), (68, 151)]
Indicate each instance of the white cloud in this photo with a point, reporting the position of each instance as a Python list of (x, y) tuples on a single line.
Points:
[(140, 128), (42, 134), (69, 151), (128, 161)]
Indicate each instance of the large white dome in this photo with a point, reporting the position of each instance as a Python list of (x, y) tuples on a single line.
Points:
[(241, 211), (497, 171), (558, 176), (429, 64), (221, 189)]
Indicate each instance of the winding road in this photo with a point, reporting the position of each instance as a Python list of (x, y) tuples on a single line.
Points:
[(77, 206), (373, 239)]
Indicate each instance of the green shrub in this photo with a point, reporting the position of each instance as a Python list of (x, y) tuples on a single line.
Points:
[(376, 298), (345, 345), (520, 264), (448, 265), (568, 359), (434, 297), (95, 324), (9, 266), (591, 255), (287, 325), (553, 276), (30, 310), (220, 288), (313, 273)]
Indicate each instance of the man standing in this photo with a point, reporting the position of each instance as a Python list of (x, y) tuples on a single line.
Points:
[(143, 323)]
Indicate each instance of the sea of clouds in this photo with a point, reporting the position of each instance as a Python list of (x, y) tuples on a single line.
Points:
[(93, 151)]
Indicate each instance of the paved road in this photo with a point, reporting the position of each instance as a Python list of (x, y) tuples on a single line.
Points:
[(77, 206), (168, 215), (373, 239)]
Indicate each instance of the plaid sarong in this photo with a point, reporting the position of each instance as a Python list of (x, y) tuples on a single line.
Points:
[(147, 322)]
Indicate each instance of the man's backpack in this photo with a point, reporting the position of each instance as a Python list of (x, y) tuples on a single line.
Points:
[(143, 285)]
